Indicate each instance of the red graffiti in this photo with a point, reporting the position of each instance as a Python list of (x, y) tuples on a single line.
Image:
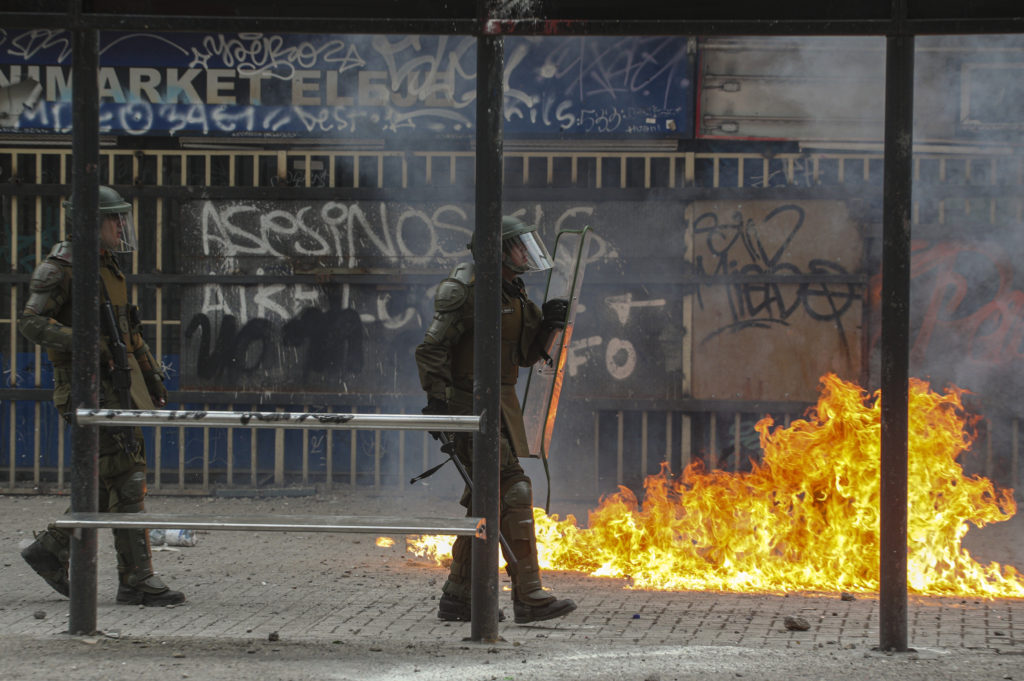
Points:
[(971, 310)]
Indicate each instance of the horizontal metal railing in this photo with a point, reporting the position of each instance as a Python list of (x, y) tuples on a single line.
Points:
[(276, 419), (978, 184), (474, 527)]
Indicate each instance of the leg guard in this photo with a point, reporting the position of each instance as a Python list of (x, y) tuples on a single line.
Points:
[(134, 560), (455, 604), (460, 572), (517, 526), (530, 602), (48, 556), (137, 582)]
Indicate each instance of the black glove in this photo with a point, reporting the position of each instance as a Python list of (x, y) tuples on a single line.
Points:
[(435, 407), (156, 387), (556, 313)]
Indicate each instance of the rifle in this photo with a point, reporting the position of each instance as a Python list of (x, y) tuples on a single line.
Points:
[(121, 375), (448, 447)]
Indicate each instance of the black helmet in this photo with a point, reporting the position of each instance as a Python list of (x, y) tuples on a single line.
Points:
[(113, 206)]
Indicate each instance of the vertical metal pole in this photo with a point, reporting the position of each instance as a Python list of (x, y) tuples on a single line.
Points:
[(620, 469), (85, 315), (1015, 461), (487, 331), (899, 121)]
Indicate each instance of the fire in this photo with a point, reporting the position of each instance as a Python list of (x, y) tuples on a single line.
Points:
[(806, 516), (434, 547), (385, 542)]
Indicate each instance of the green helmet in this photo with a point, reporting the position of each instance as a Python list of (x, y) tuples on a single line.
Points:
[(521, 248), (512, 226), (114, 210)]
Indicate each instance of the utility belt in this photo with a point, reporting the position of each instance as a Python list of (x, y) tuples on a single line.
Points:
[(464, 396), (460, 400)]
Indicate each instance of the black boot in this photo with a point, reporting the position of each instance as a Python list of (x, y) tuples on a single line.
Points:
[(452, 609), (138, 585), (556, 607), (151, 591), (530, 602), (48, 565)]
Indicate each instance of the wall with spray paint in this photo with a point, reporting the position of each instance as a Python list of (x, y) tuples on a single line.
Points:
[(727, 275), (406, 87), (753, 325)]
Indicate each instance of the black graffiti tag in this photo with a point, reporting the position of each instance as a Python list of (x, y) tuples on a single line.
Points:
[(763, 304), (333, 341), (232, 347)]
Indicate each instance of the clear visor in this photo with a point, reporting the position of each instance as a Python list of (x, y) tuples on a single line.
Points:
[(525, 253), (117, 232)]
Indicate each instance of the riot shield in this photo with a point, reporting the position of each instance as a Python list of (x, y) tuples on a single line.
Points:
[(544, 384)]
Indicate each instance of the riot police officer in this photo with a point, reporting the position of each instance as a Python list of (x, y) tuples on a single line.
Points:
[(46, 320), (445, 362)]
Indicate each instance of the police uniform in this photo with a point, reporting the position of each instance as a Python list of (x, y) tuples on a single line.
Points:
[(445, 363), (46, 320)]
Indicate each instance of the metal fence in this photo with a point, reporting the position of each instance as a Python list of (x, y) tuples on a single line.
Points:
[(977, 188)]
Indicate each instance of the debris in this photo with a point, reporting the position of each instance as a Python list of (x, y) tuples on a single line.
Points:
[(274, 636), (796, 624), (180, 537), (39, 614), (847, 596)]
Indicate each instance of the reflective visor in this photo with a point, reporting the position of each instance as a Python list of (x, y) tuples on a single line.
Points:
[(122, 239), (525, 253)]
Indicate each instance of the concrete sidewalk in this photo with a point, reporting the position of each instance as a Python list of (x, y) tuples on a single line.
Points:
[(320, 606)]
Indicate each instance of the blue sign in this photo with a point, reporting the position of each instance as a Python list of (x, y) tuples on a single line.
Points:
[(349, 87)]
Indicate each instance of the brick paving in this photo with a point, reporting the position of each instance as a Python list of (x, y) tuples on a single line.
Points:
[(343, 590)]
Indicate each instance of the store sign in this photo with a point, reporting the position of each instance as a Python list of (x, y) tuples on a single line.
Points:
[(359, 86)]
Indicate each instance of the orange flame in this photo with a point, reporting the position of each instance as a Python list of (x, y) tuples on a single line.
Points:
[(804, 518), (433, 547)]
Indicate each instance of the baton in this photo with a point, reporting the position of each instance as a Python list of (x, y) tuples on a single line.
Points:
[(448, 447)]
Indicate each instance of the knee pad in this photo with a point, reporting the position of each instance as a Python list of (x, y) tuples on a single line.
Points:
[(519, 495), (517, 514), (131, 493)]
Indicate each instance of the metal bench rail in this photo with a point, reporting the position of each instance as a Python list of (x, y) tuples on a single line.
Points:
[(475, 527)]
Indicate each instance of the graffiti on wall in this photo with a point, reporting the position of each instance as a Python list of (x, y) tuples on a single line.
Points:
[(285, 85), (315, 336), (747, 247), (776, 337), (967, 302), (630, 333)]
